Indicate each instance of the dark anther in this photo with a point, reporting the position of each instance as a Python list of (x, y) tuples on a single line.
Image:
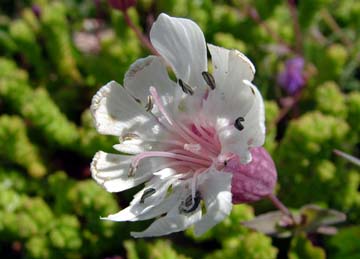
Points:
[(150, 104), (147, 193), (188, 205), (252, 90), (238, 124), (131, 172), (185, 87), (209, 79), (129, 136)]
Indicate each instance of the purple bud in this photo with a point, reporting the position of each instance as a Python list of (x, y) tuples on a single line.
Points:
[(122, 5), (292, 79), (36, 10), (255, 180)]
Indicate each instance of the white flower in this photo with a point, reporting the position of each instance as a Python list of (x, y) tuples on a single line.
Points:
[(179, 136)]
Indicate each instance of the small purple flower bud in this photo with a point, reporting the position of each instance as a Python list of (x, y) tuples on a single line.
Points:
[(122, 5), (255, 180), (292, 79), (36, 10)]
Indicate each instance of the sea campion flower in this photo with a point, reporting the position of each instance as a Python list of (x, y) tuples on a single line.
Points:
[(292, 78), (195, 143)]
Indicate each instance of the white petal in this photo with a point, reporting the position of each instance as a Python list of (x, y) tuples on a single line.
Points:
[(172, 222), (220, 60), (115, 112), (253, 133), (111, 171), (131, 149), (232, 98), (216, 192), (146, 72), (182, 44), (158, 203)]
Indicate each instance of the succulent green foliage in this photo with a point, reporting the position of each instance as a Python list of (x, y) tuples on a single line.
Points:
[(309, 10), (303, 154), (353, 104), (238, 241), (58, 40), (17, 148), (345, 244), (252, 245), (160, 249), (229, 227), (52, 62), (26, 42), (302, 248), (271, 113), (36, 106), (331, 60), (330, 100), (87, 201)]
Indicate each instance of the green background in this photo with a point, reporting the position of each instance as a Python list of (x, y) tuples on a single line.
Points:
[(52, 64)]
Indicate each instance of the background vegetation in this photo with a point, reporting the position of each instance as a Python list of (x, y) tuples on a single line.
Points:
[(56, 54)]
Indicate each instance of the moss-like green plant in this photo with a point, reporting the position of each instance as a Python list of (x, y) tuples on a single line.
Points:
[(17, 148)]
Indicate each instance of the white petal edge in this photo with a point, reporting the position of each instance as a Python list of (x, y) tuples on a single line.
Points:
[(115, 112), (172, 222), (111, 171), (182, 44), (153, 206), (253, 134), (146, 72), (220, 61)]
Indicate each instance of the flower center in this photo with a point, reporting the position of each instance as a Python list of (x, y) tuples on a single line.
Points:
[(192, 145)]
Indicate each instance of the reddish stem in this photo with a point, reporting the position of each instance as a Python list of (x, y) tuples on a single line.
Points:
[(143, 39), (278, 204), (254, 15), (297, 29)]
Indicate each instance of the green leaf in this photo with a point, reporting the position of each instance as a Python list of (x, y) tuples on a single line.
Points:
[(302, 248)]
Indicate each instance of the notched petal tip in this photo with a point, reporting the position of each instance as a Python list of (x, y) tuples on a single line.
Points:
[(99, 101), (93, 167), (183, 47), (246, 61)]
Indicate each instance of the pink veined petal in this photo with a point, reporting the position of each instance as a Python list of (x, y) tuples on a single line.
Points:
[(255, 180)]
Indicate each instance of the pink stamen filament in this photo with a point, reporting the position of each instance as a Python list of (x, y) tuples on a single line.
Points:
[(159, 104), (198, 139), (190, 150), (137, 158), (176, 163), (210, 136), (205, 156)]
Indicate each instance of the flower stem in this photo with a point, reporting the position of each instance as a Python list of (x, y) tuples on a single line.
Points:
[(331, 22), (278, 204), (143, 39), (254, 15), (297, 29)]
